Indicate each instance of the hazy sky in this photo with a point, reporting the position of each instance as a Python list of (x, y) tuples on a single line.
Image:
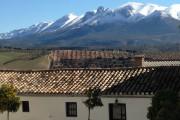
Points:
[(16, 14)]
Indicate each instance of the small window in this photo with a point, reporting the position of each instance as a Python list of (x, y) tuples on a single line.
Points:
[(71, 109), (25, 106)]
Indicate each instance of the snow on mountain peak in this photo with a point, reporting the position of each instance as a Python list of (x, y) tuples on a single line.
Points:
[(141, 8), (39, 26), (135, 5), (60, 23), (132, 7), (71, 16), (174, 11), (150, 8)]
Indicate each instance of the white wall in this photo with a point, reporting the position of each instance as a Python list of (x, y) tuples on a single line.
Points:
[(53, 108)]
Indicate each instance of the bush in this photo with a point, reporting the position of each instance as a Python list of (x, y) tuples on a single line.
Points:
[(165, 106)]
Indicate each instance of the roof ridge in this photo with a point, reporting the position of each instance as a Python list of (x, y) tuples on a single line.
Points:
[(90, 69)]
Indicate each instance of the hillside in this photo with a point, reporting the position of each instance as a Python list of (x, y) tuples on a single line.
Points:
[(22, 60)]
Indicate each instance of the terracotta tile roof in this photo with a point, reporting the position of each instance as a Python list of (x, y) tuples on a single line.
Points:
[(110, 81), (58, 55), (89, 59)]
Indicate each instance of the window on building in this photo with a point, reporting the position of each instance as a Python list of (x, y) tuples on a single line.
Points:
[(71, 109), (117, 111), (25, 106)]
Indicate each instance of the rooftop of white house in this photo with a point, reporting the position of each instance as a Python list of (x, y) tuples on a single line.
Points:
[(122, 81)]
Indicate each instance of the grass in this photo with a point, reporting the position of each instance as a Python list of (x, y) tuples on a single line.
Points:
[(13, 60)]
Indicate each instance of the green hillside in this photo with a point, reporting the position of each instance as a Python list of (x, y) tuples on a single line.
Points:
[(23, 60)]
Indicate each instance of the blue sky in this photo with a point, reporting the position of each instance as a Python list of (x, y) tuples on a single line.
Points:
[(16, 14)]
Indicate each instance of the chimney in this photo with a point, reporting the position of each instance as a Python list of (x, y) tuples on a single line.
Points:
[(138, 60)]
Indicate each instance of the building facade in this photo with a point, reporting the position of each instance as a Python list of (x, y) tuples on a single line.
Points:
[(55, 108)]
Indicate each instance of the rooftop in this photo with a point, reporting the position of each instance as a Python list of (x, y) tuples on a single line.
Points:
[(126, 81)]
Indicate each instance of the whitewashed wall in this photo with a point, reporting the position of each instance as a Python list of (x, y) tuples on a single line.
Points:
[(53, 108)]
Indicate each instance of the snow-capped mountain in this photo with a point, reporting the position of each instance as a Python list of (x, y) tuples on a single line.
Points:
[(122, 19), (36, 28), (60, 23), (40, 27)]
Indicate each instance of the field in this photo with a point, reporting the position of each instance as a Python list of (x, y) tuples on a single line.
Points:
[(23, 60)]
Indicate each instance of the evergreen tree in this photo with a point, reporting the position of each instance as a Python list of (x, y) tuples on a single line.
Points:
[(8, 100), (165, 106)]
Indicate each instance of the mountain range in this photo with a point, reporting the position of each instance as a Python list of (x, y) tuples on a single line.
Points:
[(131, 24)]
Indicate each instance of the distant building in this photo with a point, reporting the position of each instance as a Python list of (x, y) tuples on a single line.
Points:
[(89, 59), (109, 59), (141, 61), (59, 94)]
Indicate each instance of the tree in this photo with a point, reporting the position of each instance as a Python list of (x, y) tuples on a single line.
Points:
[(165, 106), (8, 100), (94, 100)]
